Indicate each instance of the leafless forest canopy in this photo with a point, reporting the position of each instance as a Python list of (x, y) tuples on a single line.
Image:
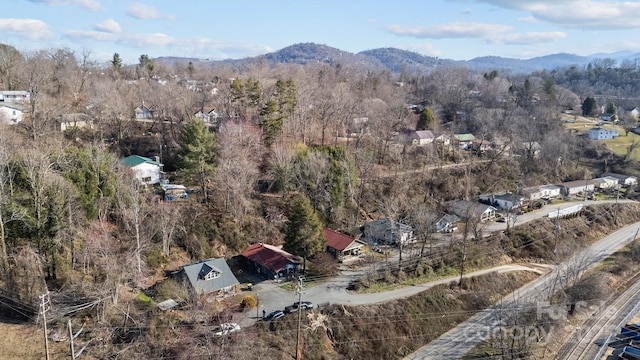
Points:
[(73, 221)]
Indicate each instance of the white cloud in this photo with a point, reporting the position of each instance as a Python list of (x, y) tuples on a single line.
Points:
[(223, 50), (528, 19), (530, 38), (450, 30), (92, 5), (109, 25), (147, 40), (82, 35), (142, 11), (196, 47), (583, 14), (27, 28), (132, 40), (422, 48)]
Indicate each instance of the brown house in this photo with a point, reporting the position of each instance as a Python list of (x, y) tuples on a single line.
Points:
[(343, 247), (271, 261)]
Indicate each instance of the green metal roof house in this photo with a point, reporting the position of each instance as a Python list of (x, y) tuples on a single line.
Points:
[(146, 170)]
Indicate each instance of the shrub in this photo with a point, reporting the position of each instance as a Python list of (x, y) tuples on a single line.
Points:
[(249, 302), (170, 289), (323, 265)]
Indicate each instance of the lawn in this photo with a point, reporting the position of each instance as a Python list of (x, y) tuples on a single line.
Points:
[(618, 145)]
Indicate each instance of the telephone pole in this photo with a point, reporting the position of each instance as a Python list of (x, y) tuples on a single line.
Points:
[(45, 305), (555, 232), (298, 349)]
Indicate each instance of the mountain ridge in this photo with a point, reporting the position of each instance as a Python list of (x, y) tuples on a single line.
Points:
[(398, 60)]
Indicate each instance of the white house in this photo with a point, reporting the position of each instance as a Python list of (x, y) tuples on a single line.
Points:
[(146, 170), (15, 96), (465, 209), (598, 133), (607, 182), (74, 121), (12, 113), (443, 139), (422, 137), (447, 223), (504, 201), (387, 231), (577, 187), (143, 111), (624, 180), (542, 192), (208, 114)]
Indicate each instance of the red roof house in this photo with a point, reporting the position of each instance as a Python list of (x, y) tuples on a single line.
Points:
[(342, 246), (271, 261)]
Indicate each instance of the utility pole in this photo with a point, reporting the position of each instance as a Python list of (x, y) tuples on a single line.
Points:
[(73, 352), (615, 214), (298, 349), (464, 258), (556, 230), (257, 306), (45, 305)]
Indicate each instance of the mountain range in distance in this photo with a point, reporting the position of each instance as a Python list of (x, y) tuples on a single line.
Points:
[(396, 60)]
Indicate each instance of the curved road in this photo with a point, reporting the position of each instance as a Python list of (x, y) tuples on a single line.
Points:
[(464, 337), (272, 297)]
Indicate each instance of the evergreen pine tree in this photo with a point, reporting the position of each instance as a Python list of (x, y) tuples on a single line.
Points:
[(303, 235), (197, 152)]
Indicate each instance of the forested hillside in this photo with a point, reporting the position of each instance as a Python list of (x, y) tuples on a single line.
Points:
[(327, 140)]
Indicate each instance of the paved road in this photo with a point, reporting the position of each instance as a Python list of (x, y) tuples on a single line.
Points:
[(461, 339), (335, 291), (540, 213)]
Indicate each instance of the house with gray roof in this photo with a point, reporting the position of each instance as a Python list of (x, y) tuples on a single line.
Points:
[(387, 231), (211, 276), (422, 137), (577, 187), (504, 201), (12, 113), (598, 133), (624, 180), (470, 209)]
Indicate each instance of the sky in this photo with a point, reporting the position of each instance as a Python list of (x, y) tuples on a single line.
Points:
[(234, 29)]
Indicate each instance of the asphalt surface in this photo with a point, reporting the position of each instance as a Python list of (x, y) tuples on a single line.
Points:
[(466, 336), (455, 343)]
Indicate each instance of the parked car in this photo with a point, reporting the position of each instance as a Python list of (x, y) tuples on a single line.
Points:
[(274, 315), (305, 305), (227, 328), (296, 306)]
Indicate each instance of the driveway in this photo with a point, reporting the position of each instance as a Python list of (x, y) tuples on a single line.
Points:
[(273, 297)]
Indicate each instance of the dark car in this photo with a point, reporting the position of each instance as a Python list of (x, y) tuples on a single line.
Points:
[(274, 315), (291, 309)]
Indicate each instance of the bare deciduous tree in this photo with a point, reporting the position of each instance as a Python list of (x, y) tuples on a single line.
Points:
[(134, 211)]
